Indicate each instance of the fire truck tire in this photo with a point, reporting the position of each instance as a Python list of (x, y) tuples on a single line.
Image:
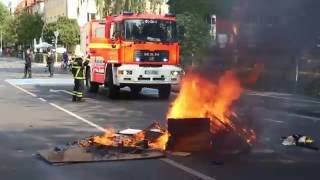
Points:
[(114, 90), (92, 87), (164, 91)]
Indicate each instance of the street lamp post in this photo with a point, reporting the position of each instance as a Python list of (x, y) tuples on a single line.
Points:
[(56, 34)]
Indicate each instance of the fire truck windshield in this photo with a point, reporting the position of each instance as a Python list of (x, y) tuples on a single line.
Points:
[(150, 30)]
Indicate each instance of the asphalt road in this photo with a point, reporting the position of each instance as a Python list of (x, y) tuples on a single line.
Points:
[(38, 114)]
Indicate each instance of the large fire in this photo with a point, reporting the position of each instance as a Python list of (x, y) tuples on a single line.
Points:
[(200, 97)]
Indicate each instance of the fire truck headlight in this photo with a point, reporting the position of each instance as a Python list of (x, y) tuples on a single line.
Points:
[(138, 59), (165, 59), (120, 72), (175, 73)]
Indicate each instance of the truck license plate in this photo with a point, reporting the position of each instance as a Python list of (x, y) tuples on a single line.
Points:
[(151, 72)]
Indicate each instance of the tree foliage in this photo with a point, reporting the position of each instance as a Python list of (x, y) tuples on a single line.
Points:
[(9, 30), (192, 24), (3, 12), (7, 27), (29, 26), (222, 8), (201, 8), (69, 32), (193, 33)]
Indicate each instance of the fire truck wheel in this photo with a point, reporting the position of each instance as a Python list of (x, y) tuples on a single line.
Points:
[(164, 91), (92, 87), (114, 90)]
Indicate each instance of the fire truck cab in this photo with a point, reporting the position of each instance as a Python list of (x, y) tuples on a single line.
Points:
[(132, 50)]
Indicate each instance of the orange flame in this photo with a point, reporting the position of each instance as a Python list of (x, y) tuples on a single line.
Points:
[(107, 139), (161, 142), (200, 97), (110, 138)]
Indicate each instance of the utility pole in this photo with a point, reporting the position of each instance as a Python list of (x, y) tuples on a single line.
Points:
[(56, 34)]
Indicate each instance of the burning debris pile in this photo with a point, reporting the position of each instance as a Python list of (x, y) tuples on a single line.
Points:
[(201, 98), (110, 146), (200, 119), (153, 137)]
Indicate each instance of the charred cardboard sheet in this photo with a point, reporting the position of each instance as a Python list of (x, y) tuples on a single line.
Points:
[(79, 154), (111, 146)]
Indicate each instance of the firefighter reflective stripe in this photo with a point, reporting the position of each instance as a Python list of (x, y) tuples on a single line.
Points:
[(104, 46), (78, 94), (77, 74)]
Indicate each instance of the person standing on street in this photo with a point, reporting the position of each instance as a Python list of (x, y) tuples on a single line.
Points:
[(64, 62), (78, 71), (50, 62), (27, 66)]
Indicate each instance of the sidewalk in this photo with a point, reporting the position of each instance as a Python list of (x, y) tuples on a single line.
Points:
[(18, 61), (14, 67)]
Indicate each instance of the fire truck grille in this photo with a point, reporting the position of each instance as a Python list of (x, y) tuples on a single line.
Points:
[(151, 56)]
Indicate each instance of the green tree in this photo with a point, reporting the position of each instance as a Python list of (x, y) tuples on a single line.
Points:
[(193, 26), (29, 26), (104, 7), (201, 8), (3, 12), (222, 8), (69, 32), (8, 27), (48, 31), (193, 34), (114, 7), (155, 5)]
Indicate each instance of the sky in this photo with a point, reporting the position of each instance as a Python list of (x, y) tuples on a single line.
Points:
[(6, 2)]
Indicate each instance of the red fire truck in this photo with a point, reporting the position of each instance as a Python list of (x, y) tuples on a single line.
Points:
[(132, 50)]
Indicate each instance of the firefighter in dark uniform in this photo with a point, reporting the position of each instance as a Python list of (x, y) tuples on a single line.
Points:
[(78, 70)]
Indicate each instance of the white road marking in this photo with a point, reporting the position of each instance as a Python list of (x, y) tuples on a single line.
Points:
[(44, 81), (43, 100), (187, 169), (59, 90), (27, 92), (272, 120), (168, 161), (79, 117), (283, 98), (304, 117)]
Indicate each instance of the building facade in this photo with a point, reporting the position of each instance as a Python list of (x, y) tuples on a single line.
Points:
[(30, 6), (81, 10)]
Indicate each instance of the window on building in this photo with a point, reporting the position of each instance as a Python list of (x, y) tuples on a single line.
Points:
[(93, 16)]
